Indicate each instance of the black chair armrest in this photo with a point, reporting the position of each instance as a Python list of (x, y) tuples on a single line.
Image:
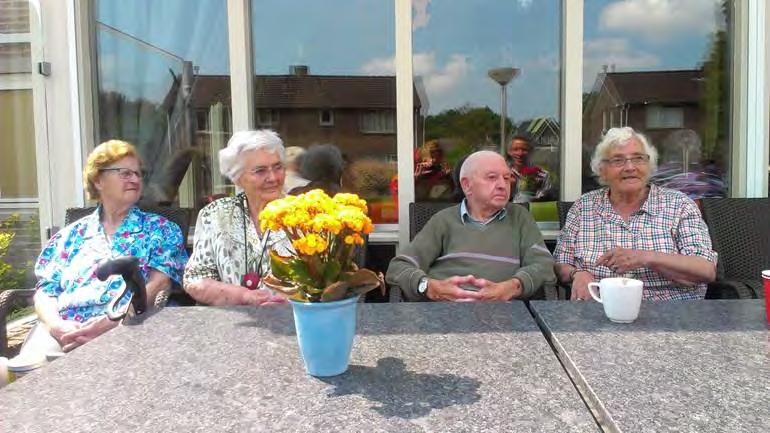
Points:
[(7, 299), (728, 289)]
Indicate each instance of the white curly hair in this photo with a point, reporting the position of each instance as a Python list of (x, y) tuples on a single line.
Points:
[(230, 162)]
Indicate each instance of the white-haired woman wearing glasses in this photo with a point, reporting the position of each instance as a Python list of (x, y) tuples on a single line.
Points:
[(230, 253), (633, 228)]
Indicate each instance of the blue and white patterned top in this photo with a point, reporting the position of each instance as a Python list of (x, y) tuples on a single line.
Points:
[(66, 269)]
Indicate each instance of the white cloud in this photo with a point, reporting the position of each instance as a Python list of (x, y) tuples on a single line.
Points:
[(380, 66), (420, 17), (437, 79), (524, 4), (613, 52), (658, 20)]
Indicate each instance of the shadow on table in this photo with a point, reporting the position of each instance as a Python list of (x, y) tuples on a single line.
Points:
[(413, 318), (401, 393), (662, 316)]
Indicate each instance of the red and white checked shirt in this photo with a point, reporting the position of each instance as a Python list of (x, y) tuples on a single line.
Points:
[(668, 222)]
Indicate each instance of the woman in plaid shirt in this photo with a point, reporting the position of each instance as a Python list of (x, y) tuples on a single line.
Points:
[(633, 228)]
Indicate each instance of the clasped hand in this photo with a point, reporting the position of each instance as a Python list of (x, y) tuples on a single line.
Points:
[(622, 260), (456, 289)]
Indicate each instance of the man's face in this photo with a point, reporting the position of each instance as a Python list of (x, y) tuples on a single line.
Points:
[(488, 187), (518, 151)]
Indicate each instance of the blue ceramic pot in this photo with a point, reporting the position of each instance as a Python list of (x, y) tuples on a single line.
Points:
[(325, 332)]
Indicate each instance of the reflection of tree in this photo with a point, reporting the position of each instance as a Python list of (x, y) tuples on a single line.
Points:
[(715, 90), (469, 127)]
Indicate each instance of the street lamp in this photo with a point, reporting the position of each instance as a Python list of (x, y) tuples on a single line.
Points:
[(503, 76)]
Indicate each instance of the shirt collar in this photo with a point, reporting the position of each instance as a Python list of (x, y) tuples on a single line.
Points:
[(465, 216), (133, 222), (651, 204)]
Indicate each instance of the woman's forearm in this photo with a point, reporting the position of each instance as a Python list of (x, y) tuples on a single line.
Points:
[(157, 282), (685, 270), (47, 309), (212, 292)]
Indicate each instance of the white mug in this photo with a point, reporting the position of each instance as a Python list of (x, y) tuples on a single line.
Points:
[(621, 298)]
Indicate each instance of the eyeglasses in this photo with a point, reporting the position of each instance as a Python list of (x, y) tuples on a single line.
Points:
[(636, 161), (125, 173), (262, 171)]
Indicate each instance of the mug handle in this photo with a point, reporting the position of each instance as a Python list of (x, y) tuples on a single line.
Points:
[(594, 295)]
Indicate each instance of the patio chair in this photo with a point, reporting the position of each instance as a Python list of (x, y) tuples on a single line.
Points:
[(741, 235), (563, 207)]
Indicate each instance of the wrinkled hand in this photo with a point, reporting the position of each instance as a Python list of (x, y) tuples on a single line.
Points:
[(449, 289), (263, 297), (502, 291), (622, 260), (580, 286), (87, 332), (62, 328)]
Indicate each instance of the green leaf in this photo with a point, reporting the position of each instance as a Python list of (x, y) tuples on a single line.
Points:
[(331, 271), (335, 291)]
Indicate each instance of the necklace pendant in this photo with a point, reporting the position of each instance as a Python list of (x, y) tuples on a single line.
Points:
[(250, 281)]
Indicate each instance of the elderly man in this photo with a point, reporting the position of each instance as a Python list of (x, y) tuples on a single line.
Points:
[(484, 249)]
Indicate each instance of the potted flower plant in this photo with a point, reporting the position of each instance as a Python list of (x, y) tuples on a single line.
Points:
[(320, 278)]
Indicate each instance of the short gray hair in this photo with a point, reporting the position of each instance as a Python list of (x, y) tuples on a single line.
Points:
[(616, 137), (230, 162), (470, 163)]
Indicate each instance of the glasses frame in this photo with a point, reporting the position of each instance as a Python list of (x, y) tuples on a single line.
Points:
[(125, 173), (620, 162), (262, 172)]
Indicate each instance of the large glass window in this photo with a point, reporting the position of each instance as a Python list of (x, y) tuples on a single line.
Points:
[(163, 84), (476, 63), (663, 69), (19, 201), (325, 75)]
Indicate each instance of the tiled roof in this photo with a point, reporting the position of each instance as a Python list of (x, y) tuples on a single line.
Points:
[(656, 86), (309, 91)]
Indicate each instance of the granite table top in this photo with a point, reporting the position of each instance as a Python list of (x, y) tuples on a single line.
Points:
[(685, 366), (415, 367)]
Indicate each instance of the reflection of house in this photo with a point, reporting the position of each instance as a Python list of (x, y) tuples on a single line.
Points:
[(655, 102), (544, 131), (356, 113)]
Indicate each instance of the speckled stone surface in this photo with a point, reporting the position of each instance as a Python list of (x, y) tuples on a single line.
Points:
[(696, 366), (415, 367)]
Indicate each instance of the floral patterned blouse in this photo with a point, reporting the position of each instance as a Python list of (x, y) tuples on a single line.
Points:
[(66, 269), (219, 250)]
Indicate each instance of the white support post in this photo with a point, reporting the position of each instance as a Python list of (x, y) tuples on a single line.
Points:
[(241, 65), (405, 116), (757, 112), (571, 100)]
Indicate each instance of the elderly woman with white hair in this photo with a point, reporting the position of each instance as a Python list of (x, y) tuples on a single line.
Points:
[(230, 253), (634, 228)]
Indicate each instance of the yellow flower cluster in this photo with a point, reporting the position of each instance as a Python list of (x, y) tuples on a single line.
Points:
[(313, 220)]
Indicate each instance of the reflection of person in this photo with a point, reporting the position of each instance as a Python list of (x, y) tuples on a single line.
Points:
[(294, 156), (433, 178), (481, 249), (71, 302), (633, 228), (230, 253), (322, 166), (528, 182)]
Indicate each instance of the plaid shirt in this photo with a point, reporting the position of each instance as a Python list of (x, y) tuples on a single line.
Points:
[(668, 222)]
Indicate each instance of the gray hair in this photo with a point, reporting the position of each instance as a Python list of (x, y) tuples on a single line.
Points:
[(322, 162), (470, 165), (617, 137), (230, 161)]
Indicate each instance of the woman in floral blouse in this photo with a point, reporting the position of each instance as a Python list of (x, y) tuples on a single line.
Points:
[(70, 301), (230, 252)]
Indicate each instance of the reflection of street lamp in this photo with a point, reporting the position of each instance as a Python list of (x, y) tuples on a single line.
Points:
[(503, 76)]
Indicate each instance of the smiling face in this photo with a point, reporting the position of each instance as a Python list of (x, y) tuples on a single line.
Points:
[(519, 151), (263, 175), (120, 188), (488, 186), (630, 177)]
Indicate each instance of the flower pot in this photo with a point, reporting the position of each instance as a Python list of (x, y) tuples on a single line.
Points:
[(325, 332)]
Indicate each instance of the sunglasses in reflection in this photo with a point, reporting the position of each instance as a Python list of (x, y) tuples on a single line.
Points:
[(262, 171), (125, 173), (636, 160)]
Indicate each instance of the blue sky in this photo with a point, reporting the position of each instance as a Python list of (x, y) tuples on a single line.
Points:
[(455, 42)]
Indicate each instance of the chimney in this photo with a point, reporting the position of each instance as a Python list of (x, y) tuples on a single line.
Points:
[(299, 70), (604, 68)]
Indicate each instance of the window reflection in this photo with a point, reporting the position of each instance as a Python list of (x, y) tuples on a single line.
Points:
[(476, 63), (665, 75), (329, 79), (163, 85)]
